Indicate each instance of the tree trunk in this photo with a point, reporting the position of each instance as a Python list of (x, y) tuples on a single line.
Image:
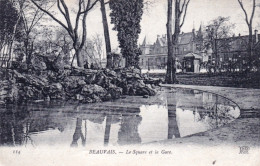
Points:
[(106, 34), (80, 61), (27, 54), (170, 73), (250, 45)]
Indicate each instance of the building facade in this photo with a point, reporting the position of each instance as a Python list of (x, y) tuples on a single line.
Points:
[(189, 52), (234, 51)]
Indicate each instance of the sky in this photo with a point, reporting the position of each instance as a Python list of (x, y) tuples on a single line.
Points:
[(154, 19)]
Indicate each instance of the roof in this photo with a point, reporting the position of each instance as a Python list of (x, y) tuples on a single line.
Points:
[(196, 56), (238, 43), (185, 38), (144, 42), (162, 41)]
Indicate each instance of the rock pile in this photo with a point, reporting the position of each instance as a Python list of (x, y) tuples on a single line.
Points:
[(84, 85)]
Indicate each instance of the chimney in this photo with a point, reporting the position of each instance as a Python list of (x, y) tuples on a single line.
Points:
[(256, 36)]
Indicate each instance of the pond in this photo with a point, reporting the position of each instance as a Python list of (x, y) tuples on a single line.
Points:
[(172, 113)]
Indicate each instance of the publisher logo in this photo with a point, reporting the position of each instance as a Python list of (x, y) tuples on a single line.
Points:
[(244, 150)]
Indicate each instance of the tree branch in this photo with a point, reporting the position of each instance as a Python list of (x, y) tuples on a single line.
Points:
[(89, 6), (183, 5), (67, 15), (77, 20), (52, 16), (185, 13), (253, 12), (242, 6), (59, 7)]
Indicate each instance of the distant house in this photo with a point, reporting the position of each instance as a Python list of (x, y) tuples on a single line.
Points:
[(235, 49), (188, 52)]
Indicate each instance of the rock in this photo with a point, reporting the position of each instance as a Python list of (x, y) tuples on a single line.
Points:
[(58, 64), (62, 75), (142, 91), (153, 81), (93, 90), (115, 91), (96, 99), (84, 85), (107, 97), (8, 92), (77, 71), (73, 82), (38, 64), (55, 91), (102, 80), (79, 97), (31, 93), (90, 79), (34, 80), (22, 67), (110, 73)]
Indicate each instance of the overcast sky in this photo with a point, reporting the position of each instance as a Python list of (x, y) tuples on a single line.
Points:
[(199, 11)]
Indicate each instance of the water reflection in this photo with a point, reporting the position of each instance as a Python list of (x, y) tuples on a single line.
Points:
[(78, 133), (173, 113), (128, 132)]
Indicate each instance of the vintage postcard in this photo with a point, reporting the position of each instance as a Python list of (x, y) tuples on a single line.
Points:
[(129, 82)]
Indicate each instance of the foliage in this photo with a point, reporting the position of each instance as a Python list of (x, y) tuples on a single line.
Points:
[(126, 16), (10, 29), (8, 19)]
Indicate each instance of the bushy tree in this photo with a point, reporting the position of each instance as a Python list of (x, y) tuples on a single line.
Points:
[(126, 16), (8, 17)]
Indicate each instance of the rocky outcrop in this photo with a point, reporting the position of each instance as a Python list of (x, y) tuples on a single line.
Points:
[(84, 85)]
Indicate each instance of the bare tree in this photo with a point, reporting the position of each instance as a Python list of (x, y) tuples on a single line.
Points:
[(249, 22), (64, 42), (31, 17), (98, 43), (218, 28), (181, 7), (83, 8)]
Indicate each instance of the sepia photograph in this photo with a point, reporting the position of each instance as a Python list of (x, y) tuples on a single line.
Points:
[(129, 82)]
